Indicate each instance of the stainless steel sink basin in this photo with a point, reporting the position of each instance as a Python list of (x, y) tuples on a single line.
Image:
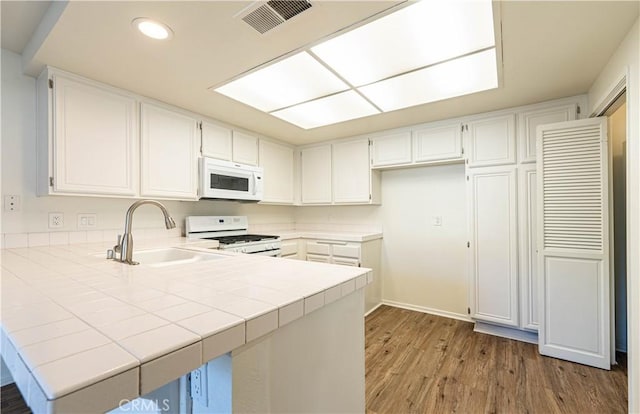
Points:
[(172, 256)]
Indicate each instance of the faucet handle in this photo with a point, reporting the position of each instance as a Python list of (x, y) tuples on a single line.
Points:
[(110, 254), (118, 245)]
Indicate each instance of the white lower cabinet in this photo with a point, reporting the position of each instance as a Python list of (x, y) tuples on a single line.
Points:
[(290, 249), (169, 143), (493, 246), (358, 254)]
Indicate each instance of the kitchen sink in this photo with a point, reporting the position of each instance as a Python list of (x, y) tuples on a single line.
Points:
[(172, 256)]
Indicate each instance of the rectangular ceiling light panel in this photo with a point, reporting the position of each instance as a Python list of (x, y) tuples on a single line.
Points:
[(329, 110), (296, 79), (466, 75), (418, 35)]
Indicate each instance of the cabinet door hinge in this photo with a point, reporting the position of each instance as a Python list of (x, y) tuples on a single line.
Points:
[(369, 197), (462, 150), (467, 175), (200, 126), (50, 181), (469, 311), (468, 244), (462, 128), (51, 85), (578, 110), (466, 127)]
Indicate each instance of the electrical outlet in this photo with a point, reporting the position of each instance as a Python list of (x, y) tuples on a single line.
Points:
[(437, 220), (56, 220), (86, 220), (11, 203), (199, 386)]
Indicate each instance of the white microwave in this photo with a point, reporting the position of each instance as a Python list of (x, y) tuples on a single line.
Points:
[(230, 180)]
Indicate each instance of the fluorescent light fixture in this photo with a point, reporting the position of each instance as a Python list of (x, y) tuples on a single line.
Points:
[(329, 110), (418, 35), (296, 79), (152, 28), (462, 76)]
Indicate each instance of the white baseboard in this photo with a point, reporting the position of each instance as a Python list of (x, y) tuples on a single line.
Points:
[(431, 311), (504, 332), (372, 309)]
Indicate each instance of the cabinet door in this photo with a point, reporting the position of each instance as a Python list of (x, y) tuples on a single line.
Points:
[(216, 141), (289, 249), (437, 144), (316, 175), (492, 141), (529, 121), (245, 148), (494, 253), (528, 252), (389, 150), (95, 144), (351, 172), (277, 162), (169, 154)]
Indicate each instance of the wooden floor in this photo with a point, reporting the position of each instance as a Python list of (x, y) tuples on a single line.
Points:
[(419, 363)]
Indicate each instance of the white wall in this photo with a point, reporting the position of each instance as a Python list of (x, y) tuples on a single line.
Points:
[(626, 61), (423, 266), (19, 176)]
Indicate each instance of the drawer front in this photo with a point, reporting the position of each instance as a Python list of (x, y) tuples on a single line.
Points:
[(318, 258), (346, 261), (347, 251), (289, 248), (318, 248)]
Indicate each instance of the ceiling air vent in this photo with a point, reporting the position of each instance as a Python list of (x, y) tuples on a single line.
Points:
[(265, 16)]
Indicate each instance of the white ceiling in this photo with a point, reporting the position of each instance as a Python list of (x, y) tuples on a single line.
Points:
[(550, 49)]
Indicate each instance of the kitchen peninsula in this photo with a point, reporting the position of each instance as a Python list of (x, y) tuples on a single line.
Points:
[(83, 334)]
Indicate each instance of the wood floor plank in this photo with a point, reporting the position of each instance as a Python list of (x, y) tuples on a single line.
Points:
[(419, 363)]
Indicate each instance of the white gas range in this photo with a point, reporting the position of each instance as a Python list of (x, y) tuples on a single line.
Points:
[(232, 233)]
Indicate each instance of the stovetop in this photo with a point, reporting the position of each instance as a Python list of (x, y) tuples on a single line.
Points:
[(242, 238)]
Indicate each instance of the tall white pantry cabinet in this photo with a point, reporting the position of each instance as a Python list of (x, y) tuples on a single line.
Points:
[(501, 195)]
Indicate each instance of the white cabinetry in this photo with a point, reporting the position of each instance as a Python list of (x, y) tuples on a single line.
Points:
[(245, 148), (277, 162), (528, 257), (315, 174), (528, 122), (492, 141), (494, 247), (391, 150), (339, 173), (290, 249), (216, 141), (352, 176), (437, 143), (169, 145), (87, 138)]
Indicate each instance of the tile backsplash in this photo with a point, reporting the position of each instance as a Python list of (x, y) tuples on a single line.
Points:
[(57, 238)]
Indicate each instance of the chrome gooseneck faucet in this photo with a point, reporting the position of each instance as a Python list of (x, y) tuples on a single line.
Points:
[(125, 244)]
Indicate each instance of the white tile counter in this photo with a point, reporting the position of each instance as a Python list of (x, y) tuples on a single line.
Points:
[(80, 332), (347, 236)]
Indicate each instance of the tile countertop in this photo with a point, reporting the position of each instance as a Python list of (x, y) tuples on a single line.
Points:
[(80, 331), (351, 236)]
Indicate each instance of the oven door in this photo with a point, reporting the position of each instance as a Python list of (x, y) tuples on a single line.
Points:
[(219, 179)]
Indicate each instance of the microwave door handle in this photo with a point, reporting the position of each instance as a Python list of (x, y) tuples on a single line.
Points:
[(253, 178)]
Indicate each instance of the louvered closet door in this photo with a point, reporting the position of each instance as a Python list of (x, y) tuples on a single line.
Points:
[(573, 241)]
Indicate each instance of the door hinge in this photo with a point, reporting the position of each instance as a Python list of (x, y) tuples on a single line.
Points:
[(578, 110), (50, 181), (466, 127), (462, 128), (462, 150), (469, 311), (51, 85), (200, 126), (467, 176), (468, 244), (369, 197)]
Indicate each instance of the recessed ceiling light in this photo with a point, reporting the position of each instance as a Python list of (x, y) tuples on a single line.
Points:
[(152, 28)]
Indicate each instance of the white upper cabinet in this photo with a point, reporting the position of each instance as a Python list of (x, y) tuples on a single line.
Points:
[(277, 162), (245, 148), (315, 172), (216, 141), (169, 146), (351, 172), (437, 143), (94, 139), (393, 149), (529, 121), (492, 198), (492, 141)]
